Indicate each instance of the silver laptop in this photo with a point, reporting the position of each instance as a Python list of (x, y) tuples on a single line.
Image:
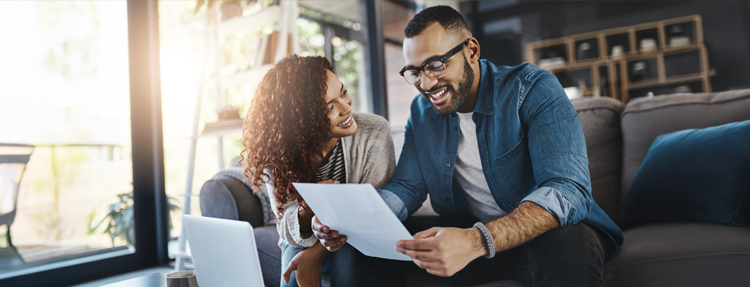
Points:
[(224, 252)]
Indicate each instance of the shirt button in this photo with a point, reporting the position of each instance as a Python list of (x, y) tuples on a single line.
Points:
[(455, 128), (448, 164)]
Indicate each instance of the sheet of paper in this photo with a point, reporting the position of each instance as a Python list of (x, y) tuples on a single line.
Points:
[(357, 211)]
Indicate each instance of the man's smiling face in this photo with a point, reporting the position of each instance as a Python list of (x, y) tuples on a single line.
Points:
[(449, 92)]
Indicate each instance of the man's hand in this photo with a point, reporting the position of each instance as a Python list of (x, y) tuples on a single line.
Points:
[(443, 251), (308, 263), (330, 239)]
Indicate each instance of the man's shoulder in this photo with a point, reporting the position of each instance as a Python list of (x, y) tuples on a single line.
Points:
[(513, 85), (524, 72)]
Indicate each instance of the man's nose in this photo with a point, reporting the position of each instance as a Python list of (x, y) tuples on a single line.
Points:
[(427, 82)]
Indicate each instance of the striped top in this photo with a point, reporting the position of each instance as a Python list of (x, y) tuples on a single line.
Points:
[(334, 168)]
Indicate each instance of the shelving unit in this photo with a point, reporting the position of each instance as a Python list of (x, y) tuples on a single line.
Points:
[(283, 16), (653, 58)]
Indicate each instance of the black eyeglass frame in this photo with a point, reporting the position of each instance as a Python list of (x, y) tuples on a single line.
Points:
[(442, 59)]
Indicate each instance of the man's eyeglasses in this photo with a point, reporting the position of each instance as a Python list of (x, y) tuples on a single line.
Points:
[(435, 69)]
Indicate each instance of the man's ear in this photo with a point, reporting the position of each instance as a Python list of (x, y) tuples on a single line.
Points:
[(474, 50)]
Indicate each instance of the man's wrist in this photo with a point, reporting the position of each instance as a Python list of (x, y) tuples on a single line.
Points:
[(478, 244), (487, 239)]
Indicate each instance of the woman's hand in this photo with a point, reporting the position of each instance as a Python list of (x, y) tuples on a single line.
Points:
[(305, 214), (308, 263)]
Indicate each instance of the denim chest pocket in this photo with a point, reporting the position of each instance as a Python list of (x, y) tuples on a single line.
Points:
[(514, 171)]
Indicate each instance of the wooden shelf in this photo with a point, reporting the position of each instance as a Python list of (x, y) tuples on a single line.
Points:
[(668, 81), (268, 15), (615, 78), (222, 127)]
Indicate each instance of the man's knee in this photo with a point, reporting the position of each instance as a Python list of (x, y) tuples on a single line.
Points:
[(345, 255), (577, 240)]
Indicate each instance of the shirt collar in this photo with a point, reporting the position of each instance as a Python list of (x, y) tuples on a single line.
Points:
[(485, 92)]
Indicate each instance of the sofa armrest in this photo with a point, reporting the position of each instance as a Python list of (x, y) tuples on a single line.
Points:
[(228, 198)]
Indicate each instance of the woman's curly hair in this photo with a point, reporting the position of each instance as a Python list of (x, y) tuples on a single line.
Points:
[(287, 125)]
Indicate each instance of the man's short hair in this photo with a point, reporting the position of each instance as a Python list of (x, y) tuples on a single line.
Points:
[(448, 17)]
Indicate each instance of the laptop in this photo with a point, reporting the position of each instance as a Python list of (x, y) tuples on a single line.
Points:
[(224, 252)]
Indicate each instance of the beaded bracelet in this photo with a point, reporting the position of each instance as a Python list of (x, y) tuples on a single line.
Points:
[(488, 238)]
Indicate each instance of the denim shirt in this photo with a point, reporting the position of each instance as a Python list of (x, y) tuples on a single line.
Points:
[(531, 145)]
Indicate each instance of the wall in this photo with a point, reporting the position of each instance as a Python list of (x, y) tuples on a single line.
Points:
[(503, 30)]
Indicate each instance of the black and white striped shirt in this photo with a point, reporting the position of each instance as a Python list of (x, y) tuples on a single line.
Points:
[(334, 169)]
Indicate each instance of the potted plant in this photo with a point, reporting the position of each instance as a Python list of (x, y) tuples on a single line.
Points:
[(120, 218)]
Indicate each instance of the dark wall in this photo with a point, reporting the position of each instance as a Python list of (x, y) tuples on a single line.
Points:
[(503, 30)]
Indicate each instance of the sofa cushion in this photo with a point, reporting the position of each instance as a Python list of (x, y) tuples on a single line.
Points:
[(696, 174), (226, 197), (681, 254), (600, 119), (269, 253), (645, 119)]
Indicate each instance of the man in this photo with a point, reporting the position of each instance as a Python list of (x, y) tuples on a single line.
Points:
[(501, 144)]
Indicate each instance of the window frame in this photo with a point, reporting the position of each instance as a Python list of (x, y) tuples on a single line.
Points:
[(149, 197)]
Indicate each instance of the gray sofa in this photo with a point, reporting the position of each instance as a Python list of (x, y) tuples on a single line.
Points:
[(617, 139)]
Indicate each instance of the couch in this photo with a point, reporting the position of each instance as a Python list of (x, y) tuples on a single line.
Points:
[(617, 138)]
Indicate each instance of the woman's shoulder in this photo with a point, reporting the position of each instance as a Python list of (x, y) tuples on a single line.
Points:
[(370, 123)]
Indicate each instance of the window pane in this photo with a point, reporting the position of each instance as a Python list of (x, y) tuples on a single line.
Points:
[(311, 38), (66, 91), (349, 64)]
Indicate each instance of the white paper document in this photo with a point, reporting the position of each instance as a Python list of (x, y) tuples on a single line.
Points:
[(357, 211)]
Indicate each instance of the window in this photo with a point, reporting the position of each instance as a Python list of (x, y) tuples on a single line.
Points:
[(67, 99)]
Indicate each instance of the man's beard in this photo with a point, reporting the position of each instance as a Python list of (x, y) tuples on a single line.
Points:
[(458, 98)]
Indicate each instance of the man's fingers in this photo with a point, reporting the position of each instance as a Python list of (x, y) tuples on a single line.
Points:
[(427, 265), (329, 181), (427, 233), (424, 256), (416, 244), (437, 272)]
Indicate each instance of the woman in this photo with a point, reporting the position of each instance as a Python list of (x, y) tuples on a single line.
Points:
[(300, 128)]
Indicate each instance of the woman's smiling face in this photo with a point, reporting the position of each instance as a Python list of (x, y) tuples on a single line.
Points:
[(339, 107)]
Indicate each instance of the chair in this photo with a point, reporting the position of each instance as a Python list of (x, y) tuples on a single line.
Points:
[(13, 160)]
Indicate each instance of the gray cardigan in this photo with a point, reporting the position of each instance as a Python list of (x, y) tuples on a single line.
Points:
[(368, 158)]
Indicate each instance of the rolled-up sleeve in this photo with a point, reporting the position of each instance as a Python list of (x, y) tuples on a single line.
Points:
[(558, 151), (553, 201), (394, 203)]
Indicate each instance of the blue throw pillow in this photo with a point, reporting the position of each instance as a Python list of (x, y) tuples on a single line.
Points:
[(696, 174)]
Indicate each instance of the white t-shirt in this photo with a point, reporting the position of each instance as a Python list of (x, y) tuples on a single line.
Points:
[(469, 175)]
